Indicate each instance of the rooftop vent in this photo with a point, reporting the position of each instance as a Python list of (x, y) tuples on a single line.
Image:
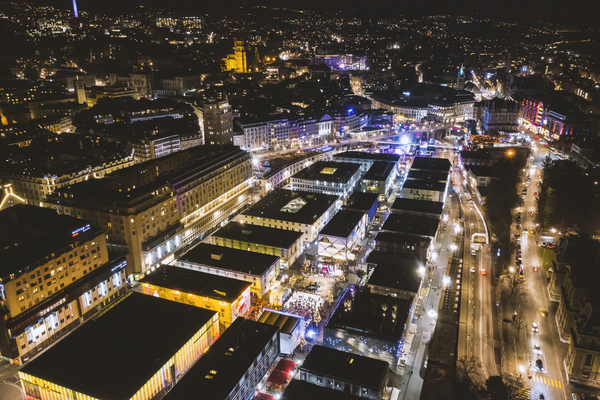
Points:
[(216, 256)]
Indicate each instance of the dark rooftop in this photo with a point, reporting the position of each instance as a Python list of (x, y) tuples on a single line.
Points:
[(293, 206), (30, 235), (379, 171), (367, 156), (361, 201), (197, 283), (348, 367), (112, 356), (480, 170), (427, 176), (403, 238), (285, 323), (365, 315), (411, 224), (423, 185), (329, 171), (226, 258), (342, 224), (258, 234), (431, 164), (395, 271), (302, 390), (422, 206), (225, 362)]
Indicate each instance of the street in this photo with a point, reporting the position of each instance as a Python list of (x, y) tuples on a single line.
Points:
[(551, 381)]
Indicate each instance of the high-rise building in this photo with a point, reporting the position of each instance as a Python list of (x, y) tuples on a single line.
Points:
[(218, 123)]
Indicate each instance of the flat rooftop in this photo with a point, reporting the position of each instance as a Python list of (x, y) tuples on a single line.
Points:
[(411, 224), (285, 323), (328, 171), (30, 235), (379, 171), (343, 223), (365, 316), (258, 234), (395, 271), (226, 258), (414, 205), (112, 356), (302, 390), (292, 206), (196, 282), (403, 238), (367, 156), (216, 374), (348, 367), (423, 185), (427, 176), (362, 201), (431, 164)]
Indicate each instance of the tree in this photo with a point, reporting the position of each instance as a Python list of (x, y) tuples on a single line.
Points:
[(499, 388), (329, 297), (465, 366), (360, 273), (302, 343), (515, 286), (519, 323)]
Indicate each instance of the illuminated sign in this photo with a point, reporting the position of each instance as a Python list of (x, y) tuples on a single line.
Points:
[(2, 292), (52, 307), (169, 259), (80, 230), (122, 264)]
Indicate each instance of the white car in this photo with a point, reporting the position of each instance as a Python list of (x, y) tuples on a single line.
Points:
[(472, 270)]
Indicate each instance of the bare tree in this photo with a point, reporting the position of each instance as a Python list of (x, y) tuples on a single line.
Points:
[(515, 286), (465, 366), (503, 388), (519, 323)]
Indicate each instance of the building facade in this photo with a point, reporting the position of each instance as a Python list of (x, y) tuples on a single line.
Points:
[(218, 123)]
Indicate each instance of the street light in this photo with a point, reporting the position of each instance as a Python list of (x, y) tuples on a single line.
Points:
[(511, 269), (453, 247), (445, 280), (421, 271), (456, 228)]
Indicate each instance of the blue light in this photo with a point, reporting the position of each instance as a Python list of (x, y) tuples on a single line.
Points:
[(350, 111)]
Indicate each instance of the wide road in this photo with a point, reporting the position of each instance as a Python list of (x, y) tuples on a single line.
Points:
[(483, 303), (551, 380)]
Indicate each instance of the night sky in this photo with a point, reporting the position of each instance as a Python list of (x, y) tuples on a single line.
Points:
[(576, 13)]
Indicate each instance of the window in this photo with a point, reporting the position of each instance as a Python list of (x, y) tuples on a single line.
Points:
[(589, 359)]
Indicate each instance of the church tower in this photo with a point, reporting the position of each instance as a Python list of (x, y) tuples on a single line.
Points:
[(460, 81)]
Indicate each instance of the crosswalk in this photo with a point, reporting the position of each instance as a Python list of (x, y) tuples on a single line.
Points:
[(547, 381)]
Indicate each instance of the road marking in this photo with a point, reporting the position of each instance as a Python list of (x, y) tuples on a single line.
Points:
[(544, 381), (559, 385), (424, 291)]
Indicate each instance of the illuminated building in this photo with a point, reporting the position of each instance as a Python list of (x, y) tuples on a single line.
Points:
[(379, 178), (327, 177), (347, 120), (154, 208), (427, 179), (451, 109), (369, 324), (532, 112), (218, 123), (35, 183), (139, 349), (286, 244), (582, 362), (229, 297), (278, 172), (55, 275), (233, 366), (340, 239), (291, 329), (237, 61), (500, 115), (341, 62), (345, 372), (298, 211), (269, 134), (404, 109), (154, 146), (261, 270)]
